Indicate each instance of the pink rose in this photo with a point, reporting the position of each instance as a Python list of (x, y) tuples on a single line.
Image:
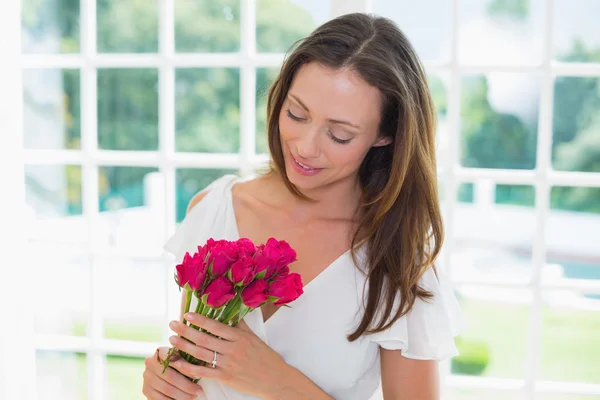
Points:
[(255, 294), (223, 254), (218, 292), (286, 288), (245, 247), (242, 271), (281, 254), (203, 251), (191, 271)]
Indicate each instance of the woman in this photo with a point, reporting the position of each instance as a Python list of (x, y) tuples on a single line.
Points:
[(352, 187)]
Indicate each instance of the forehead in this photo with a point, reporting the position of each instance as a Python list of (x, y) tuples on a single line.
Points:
[(337, 94)]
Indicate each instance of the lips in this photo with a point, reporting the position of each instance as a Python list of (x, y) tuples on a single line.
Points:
[(303, 165)]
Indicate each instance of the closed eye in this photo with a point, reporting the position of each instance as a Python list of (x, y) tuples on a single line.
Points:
[(295, 118)]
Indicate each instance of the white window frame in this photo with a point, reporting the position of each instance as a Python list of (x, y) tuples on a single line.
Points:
[(452, 174)]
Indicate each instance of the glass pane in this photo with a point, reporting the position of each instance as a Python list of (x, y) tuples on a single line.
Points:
[(207, 26), (61, 375), (128, 109), (127, 26), (279, 23), (264, 79), (427, 24), (439, 92), (518, 195), (207, 104), (576, 34), (569, 346), (479, 394), (131, 314), (132, 210), (53, 193), (501, 32), (495, 342), (499, 116), (50, 26), (192, 180), (124, 375), (572, 234), (575, 140), (51, 109), (66, 271), (488, 247)]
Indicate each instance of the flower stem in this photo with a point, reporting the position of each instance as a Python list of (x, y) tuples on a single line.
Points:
[(188, 301)]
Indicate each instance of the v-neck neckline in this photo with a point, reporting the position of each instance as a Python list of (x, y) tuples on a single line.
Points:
[(307, 286)]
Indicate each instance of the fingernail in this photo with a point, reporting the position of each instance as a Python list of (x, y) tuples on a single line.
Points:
[(172, 339), (189, 316), (199, 392), (172, 324)]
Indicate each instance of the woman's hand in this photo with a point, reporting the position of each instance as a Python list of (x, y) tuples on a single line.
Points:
[(244, 362), (170, 385)]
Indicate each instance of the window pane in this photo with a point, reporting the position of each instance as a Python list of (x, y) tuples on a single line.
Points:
[(479, 394), (192, 180), (518, 195), (569, 346), (53, 193), (495, 341), (51, 109), (61, 375), (128, 109), (499, 116), (439, 93), (50, 26), (132, 213), (279, 23), (427, 24), (132, 314), (124, 375), (66, 271), (576, 33), (576, 143), (207, 26), (501, 32), (207, 104), (264, 79), (572, 233), (488, 247), (127, 26)]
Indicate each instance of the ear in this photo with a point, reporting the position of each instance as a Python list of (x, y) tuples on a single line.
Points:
[(383, 141)]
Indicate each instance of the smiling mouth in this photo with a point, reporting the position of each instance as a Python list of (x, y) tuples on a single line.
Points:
[(304, 166)]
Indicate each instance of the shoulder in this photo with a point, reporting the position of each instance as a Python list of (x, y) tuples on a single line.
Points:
[(220, 183), (195, 200)]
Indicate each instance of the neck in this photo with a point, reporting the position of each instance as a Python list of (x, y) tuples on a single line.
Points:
[(338, 200)]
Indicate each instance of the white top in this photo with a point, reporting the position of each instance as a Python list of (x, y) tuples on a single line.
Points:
[(311, 334)]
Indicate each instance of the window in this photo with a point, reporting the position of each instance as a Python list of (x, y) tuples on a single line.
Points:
[(130, 108)]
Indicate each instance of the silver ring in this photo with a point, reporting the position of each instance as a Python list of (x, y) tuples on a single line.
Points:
[(214, 361)]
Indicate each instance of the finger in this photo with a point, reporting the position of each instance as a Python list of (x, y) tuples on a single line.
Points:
[(203, 338), (215, 327), (197, 371), (152, 394), (199, 352), (164, 386), (154, 370), (244, 326)]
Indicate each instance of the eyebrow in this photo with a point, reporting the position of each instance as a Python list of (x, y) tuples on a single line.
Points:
[(335, 121)]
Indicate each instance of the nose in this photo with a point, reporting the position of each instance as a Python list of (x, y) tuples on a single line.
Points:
[(308, 146)]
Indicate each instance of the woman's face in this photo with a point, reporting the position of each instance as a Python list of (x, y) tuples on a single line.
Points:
[(328, 122)]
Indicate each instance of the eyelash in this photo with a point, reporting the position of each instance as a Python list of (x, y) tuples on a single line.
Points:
[(334, 138)]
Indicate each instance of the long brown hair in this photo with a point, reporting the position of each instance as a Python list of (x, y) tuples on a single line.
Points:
[(401, 222)]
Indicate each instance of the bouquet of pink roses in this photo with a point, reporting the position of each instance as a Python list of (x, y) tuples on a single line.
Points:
[(232, 278)]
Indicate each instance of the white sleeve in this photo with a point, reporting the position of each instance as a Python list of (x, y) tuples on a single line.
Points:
[(427, 332)]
